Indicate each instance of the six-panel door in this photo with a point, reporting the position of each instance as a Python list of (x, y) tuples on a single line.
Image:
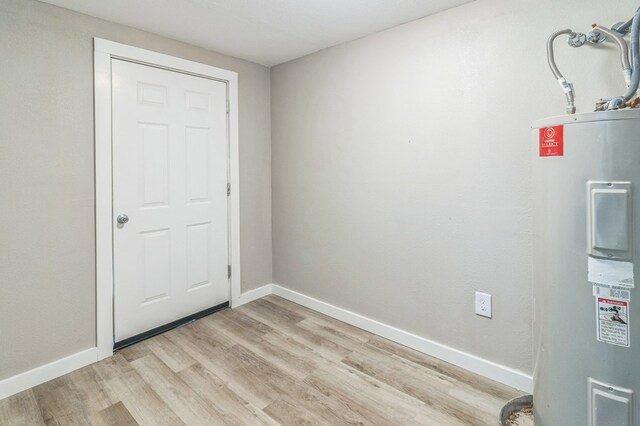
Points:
[(170, 179)]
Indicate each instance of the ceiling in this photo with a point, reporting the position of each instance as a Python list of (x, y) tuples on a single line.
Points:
[(268, 32)]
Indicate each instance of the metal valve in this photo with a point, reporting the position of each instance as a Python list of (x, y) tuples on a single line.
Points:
[(596, 37), (577, 39)]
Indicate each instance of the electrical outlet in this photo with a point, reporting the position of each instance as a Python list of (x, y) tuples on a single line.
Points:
[(483, 304)]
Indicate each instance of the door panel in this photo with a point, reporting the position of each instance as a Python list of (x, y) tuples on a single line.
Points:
[(170, 178)]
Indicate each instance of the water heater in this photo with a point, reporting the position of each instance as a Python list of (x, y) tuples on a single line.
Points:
[(586, 172)]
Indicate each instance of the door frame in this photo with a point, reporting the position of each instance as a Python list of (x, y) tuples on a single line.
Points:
[(104, 51)]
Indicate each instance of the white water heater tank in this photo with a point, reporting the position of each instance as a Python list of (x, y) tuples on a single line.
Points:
[(587, 250)]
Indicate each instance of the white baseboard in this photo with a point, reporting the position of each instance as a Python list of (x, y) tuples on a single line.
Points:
[(492, 370), (486, 368), (252, 295), (39, 375)]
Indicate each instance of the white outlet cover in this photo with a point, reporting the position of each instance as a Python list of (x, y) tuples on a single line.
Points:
[(483, 304)]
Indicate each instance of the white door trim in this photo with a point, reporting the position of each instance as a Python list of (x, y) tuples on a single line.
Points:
[(103, 52)]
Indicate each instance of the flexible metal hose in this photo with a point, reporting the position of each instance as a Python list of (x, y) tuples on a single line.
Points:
[(623, 28), (566, 87), (635, 67), (624, 52)]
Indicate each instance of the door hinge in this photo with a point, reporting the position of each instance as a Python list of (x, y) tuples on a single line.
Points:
[(228, 189), (229, 271), (228, 107)]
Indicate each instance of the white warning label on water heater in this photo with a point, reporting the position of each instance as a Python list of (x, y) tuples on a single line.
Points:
[(613, 321)]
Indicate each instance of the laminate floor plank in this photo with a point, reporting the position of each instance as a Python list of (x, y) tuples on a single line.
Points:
[(330, 334), (231, 330), (301, 350), (278, 381), (269, 362), (336, 410), (114, 415), (288, 413), (222, 361), (313, 316), (276, 313), (61, 402), (437, 380), (88, 388), (118, 378), (236, 411), (297, 366), (173, 356), (247, 324), (20, 409), (148, 409), (192, 409), (139, 350), (460, 374), (328, 348), (123, 384), (367, 396), (427, 387)]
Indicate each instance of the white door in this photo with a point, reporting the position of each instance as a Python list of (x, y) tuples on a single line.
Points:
[(170, 182)]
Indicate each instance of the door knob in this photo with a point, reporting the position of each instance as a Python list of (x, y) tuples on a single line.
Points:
[(122, 219)]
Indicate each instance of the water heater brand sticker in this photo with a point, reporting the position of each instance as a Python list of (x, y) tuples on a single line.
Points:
[(552, 141), (610, 272), (613, 321)]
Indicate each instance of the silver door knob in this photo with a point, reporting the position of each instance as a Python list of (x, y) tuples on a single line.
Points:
[(122, 219)]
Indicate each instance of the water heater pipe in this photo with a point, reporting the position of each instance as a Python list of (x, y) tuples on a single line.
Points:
[(566, 87), (622, 28), (624, 52), (635, 60)]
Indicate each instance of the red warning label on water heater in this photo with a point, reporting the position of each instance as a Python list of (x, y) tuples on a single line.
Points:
[(552, 141)]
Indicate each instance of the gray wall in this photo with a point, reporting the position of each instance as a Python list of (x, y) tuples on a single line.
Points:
[(47, 267), (401, 166)]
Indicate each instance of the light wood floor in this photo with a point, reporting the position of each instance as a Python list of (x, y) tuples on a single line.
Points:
[(268, 362)]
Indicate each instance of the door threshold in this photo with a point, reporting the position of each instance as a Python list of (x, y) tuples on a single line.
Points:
[(170, 326)]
